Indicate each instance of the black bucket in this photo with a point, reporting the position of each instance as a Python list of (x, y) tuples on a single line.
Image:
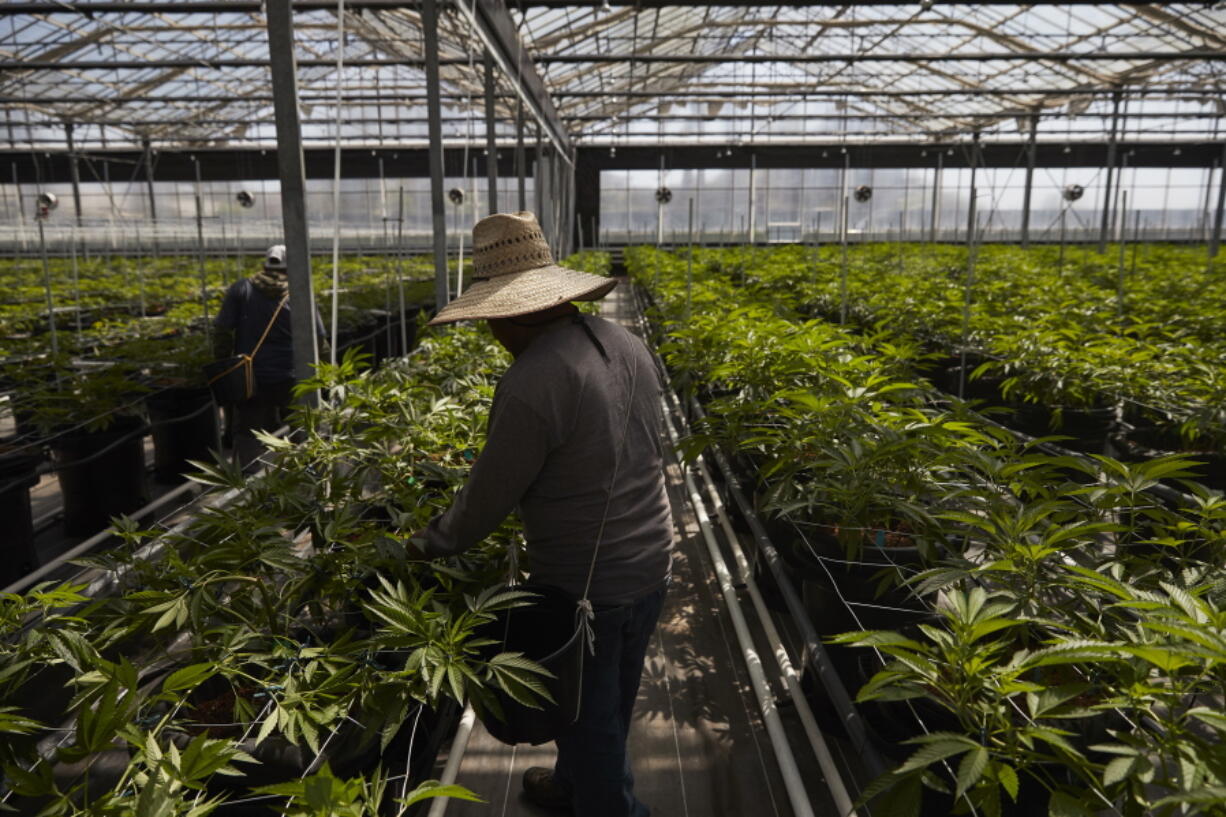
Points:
[(101, 474), (17, 475), (184, 428), (545, 631)]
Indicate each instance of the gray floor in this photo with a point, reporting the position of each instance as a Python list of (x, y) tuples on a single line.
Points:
[(698, 746)]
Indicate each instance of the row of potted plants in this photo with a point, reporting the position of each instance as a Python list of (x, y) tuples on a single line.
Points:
[(280, 645), (1037, 331), (1049, 629)]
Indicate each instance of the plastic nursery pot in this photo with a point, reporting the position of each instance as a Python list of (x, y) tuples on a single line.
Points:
[(1088, 430), (1150, 440), (101, 474), (210, 710), (862, 592), (544, 631), (943, 373), (185, 427), (18, 474), (93, 775), (893, 722)]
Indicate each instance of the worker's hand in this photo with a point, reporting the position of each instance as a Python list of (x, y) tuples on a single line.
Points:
[(415, 547)]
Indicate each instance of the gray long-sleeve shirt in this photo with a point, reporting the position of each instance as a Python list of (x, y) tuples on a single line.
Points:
[(555, 428)]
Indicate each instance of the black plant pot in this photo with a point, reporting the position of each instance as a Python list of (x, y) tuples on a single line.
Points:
[(101, 474), (1087, 430), (17, 476), (1151, 440), (185, 428), (842, 594), (352, 748)]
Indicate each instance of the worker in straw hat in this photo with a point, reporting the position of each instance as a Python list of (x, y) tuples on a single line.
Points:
[(573, 443)]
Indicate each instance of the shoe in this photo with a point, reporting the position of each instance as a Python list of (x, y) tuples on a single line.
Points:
[(541, 788)]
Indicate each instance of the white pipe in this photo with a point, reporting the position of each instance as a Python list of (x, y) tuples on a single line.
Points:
[(439, 804), (801, 807), (791, 678)]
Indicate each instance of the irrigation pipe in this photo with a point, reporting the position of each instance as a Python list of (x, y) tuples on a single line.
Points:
[(815, 653), (790, 772), (454, 758), (834, 780), (821, 751)]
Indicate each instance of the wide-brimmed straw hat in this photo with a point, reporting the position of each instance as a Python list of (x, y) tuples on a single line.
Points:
[(514, 273)]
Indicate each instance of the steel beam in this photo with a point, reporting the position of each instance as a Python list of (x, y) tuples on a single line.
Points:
[(91, 7), (521, 161), (790, 95), (290, 167), (135, 121), (883, 56), (361, 161), (147, 159), (1215, 239), (75, 167), (491, 140), (1112, 151), (495, 27), (1028, 190), (540, 96), (429, 26)]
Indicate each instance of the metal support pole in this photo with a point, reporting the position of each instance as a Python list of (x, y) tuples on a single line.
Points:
[(429, 24), (1031, 152), (845, 195), (935, 216), (491, 143), (1119, 276), (971, 248), (660, 204), (970, 211), (521, 161), (753, 199), (689, 268), (284, 71), (147, 147), (75, 170), (570, 205), (1063, 237), (1112, 150), (538, 189), (42, 246), (1215, 238), (843, 270), (204, 281), (404, 331), (21, 208)]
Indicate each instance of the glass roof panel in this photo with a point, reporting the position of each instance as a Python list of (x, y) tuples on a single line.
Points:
[(690, 73)]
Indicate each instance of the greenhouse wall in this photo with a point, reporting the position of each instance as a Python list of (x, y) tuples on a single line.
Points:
[(117, 215), (1177, 204)]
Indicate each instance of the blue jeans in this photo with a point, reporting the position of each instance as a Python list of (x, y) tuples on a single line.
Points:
[(592, 759)]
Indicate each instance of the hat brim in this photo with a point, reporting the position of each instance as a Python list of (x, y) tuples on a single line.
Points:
[(522, 293)]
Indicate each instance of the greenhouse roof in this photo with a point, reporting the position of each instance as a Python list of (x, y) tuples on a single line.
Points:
[(185, 74)]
